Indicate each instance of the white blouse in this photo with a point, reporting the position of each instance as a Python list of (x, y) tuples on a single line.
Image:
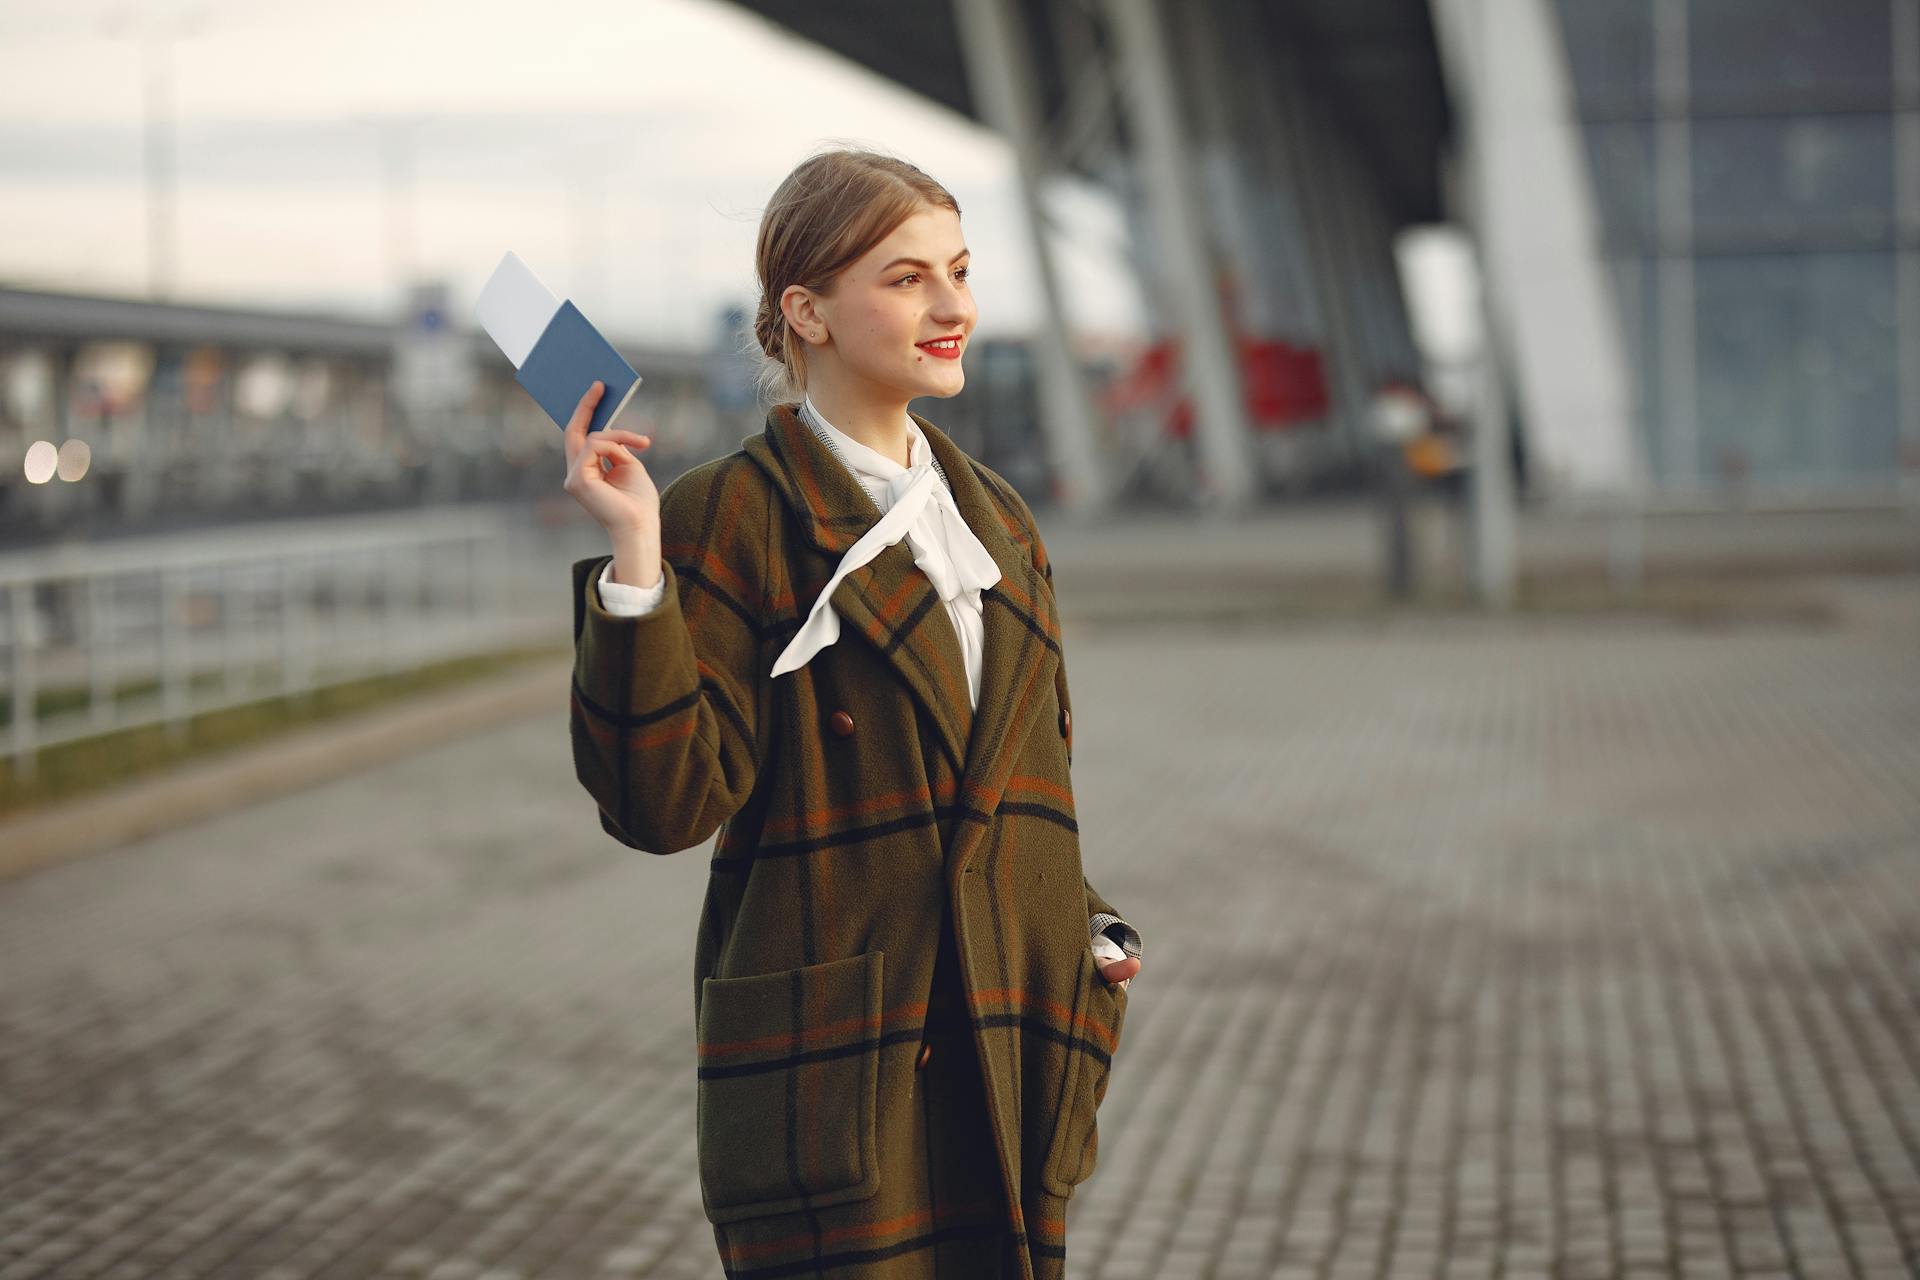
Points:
[(943, 546)]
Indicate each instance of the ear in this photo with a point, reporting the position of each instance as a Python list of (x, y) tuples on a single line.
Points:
[(799, 306)]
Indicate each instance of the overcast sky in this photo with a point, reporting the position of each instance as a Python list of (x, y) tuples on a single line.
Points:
[(623, 148)]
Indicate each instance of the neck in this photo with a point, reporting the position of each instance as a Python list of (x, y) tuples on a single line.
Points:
[(876, 418)]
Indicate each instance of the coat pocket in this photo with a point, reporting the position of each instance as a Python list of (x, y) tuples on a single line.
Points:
[(789, 1073), (1099, 1009)]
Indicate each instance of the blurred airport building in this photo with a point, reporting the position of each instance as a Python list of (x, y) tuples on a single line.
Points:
[(1697, 222), (1756, 174), (121, 415), (1643, 250)]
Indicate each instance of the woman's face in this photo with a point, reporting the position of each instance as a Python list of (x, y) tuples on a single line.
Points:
[(907, 291)]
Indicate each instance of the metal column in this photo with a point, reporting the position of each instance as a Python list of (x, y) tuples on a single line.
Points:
[(1002, 81), (1673, 270), (1151, 103), (1906, 140), (1467, 48)]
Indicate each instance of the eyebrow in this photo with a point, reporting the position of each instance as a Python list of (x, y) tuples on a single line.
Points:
[(916, 262)]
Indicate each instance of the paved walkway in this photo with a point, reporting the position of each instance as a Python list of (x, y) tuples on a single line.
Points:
[(1532, 947)]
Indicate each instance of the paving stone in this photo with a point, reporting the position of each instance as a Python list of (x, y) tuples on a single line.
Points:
[(1474, 948)]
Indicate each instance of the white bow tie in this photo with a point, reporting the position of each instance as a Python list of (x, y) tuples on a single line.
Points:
[(971, 569)]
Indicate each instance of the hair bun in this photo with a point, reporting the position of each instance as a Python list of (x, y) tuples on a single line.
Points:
[(769, 330)]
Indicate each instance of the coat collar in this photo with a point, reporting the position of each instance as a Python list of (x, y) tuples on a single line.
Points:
[(892, 604)]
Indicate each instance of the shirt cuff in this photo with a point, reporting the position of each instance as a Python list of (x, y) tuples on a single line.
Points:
[(624, 600), (1119, 930)]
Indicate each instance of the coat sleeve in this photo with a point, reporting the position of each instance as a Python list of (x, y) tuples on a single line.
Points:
[(665, 706), (1103, 917)]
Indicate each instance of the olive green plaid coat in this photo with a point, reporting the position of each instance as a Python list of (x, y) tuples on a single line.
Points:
[(856, 800)]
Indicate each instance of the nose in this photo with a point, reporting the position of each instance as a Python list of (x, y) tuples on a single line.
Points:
[(953, 304)]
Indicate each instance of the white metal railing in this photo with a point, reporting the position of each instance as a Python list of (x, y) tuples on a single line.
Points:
[(215, 620)]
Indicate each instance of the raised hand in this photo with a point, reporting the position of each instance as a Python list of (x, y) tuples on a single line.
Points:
[(605, 476)]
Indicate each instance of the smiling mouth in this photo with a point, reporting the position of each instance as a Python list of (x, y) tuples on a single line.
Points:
[(940, 344)]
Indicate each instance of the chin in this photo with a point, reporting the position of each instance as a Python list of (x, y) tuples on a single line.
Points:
[(943, 388)]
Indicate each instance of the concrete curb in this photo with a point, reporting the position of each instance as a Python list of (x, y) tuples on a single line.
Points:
[(260, 771)]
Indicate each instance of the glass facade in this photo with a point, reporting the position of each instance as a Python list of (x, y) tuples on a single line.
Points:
[(1746, 159)]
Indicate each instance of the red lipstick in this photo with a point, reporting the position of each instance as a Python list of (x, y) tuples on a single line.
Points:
[(951, 351)]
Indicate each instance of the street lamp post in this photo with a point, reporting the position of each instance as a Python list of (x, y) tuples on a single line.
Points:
[(155, 36)]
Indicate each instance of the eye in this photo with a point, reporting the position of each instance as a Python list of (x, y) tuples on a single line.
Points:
[(963, 273)]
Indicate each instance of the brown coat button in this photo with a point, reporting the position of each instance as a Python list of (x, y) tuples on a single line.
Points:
[(1066, 723), (843, 724), (926, 1051)]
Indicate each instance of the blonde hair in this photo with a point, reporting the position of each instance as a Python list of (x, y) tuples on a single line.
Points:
[(827, 213)]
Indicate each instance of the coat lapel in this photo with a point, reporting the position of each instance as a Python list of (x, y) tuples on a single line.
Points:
[(1019, 651), (891, 603)]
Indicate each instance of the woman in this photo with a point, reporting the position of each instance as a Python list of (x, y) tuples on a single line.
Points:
[(903, 1032)]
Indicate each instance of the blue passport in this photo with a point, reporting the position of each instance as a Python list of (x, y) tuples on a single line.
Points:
[(566, 359)]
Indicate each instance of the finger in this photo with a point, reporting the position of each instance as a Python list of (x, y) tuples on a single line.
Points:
[(620, 433), (583, 413), (611, 449), (592, 451), (1119, 970), (576, 429)]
